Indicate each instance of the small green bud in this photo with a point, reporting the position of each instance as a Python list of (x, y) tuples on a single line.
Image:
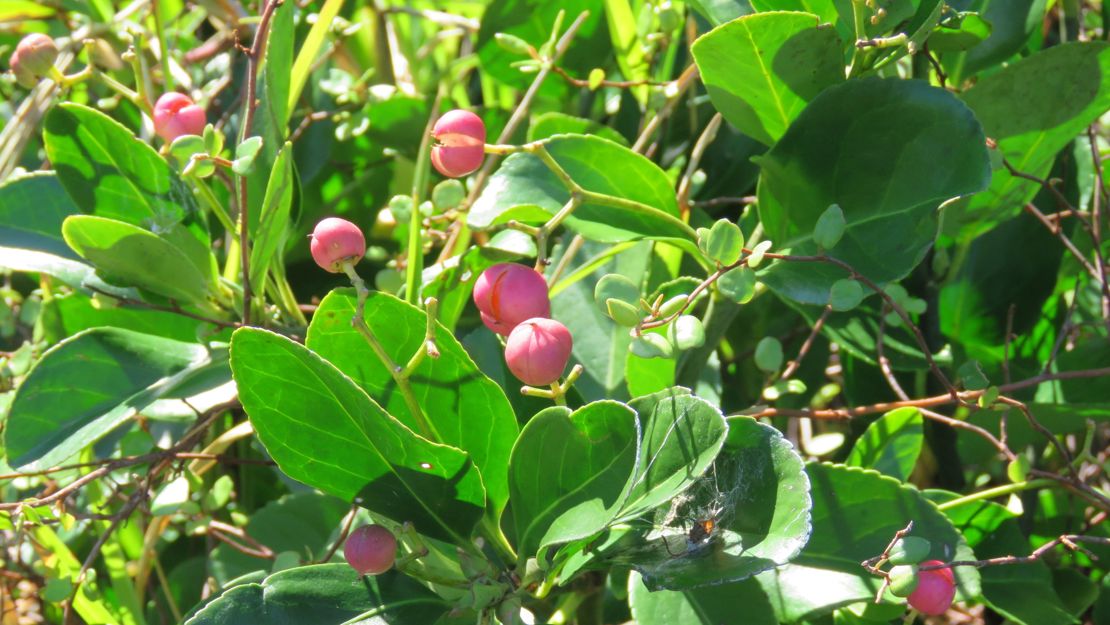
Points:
[(673, 305), (768, 354), (623, 313), (687, 332), (513, 44), (756, 256), (1018, 469), (596, 77)]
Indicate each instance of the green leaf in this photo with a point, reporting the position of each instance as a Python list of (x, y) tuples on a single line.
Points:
[(324, 594), (891, 444), (761, 70), (648, 375), (759, 485), (628, 47), (738, 284), (325, 431), (76, 275), (32, 208), (863, 145), (309, 50), (829, 228), (682, 434), (464, 407), (271, 120), (570, 473), (301, 522), (597, 165), (687, 332), (616, 286), (86, 386), (245, 154), (71, 313), (768, 354), (136, 257), (1033, 108), (554, 123), (110, 173), (652, 345), (1024, 592), (273, 227), (966, 31), (1012, 25), (855, 514), (846, 294), (724, 242), (701, 606), (718, 12)]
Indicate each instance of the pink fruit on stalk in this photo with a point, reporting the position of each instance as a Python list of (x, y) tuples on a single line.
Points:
[(33, 58), (935, 591), (370, 550), (461, 138), (176, 115), (508, 293), (334, 241), (538, 350)]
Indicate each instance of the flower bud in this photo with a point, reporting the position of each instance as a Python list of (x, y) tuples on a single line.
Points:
[(336, 240), (461, 138), (538, 350), (33, 58), (935, 590), (176, 115), (370, 550), (508, 293)]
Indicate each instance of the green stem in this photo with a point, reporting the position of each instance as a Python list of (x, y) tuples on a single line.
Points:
[(428, 345), (997, 491), (163, 45), (360, 325), (859, 22), (415, 263), (214, 205)]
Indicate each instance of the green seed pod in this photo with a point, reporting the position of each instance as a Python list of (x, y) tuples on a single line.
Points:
[(687, 332), (903, 580), (623, 313), (910, 550), (512, 43), (672, 305)]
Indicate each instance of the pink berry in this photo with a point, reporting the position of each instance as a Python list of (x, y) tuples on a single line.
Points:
[(334, 241), (538, 350), (175, 115), (370, 550), (509, 293), (461, 138), (33, 58), (935, 591)]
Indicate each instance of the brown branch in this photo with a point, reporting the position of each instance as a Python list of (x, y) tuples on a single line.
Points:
[(619, 84), (347, 523), (884, 362), (173, 308), (793, 366), (1068, 540), (224, 533)]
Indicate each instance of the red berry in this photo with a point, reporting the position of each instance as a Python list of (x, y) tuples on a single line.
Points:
[(370, 550), (336, 240), (33, 58), (509, 293), (176, 115), (461, 138), (538, 350), (935, 591)]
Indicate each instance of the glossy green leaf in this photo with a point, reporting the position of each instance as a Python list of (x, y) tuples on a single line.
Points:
[(962, 33), (724, 243), (324, 430), (324, 594), (864, 145), (464, 407), (136, 257), (86, 386), (570, 472), (891, 444), (718, 12), (597, 165), (645, 376), (1033, 109), (74, 274), (845, 294), (1011, 22), (759, 491), (761, 70), (110, 173), (32, 208), (554, 123), (71, 313), (301, 522), (273, 227), (682, 434), (737, 602), (1023, 593), (855, 514)]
